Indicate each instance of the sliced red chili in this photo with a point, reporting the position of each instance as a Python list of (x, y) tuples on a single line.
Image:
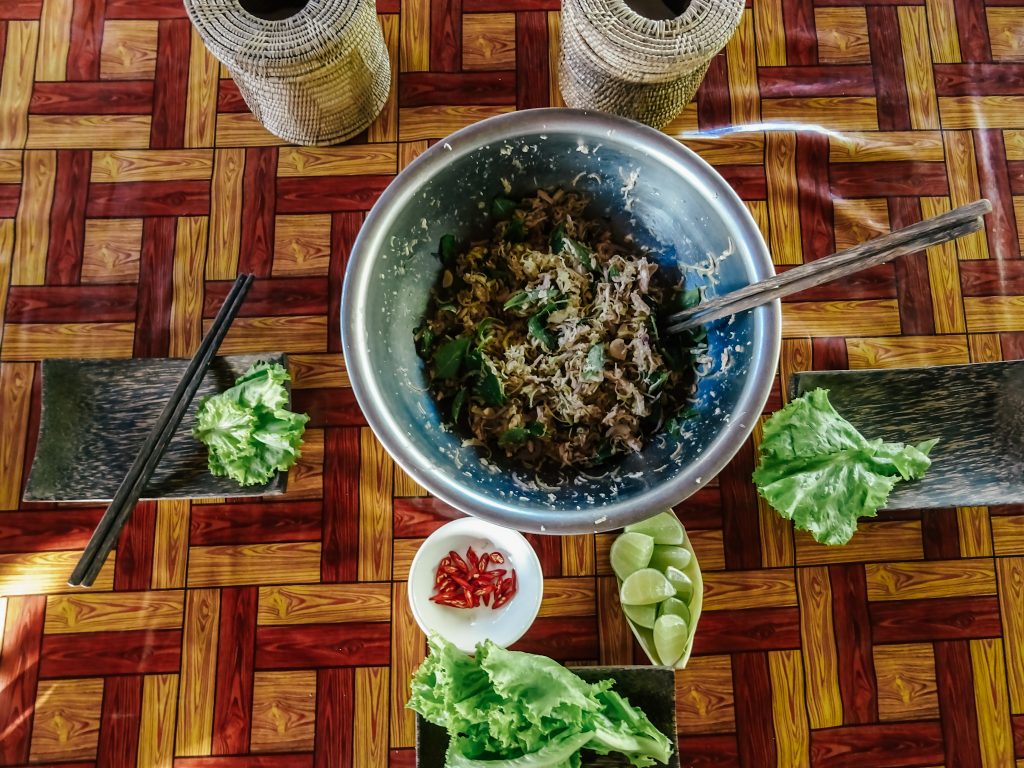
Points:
[(460, 581), (462, 584), (457, 561)]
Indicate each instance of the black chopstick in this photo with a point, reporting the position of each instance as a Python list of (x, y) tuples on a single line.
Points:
[(104, 538)]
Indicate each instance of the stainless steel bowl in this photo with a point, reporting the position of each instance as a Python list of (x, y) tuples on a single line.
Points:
[(647, 184)]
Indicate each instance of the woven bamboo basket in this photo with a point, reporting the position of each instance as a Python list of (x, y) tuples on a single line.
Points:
[(615, 60), (316, 73)]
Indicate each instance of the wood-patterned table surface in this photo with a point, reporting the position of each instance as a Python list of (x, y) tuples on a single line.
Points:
[(134, 185)]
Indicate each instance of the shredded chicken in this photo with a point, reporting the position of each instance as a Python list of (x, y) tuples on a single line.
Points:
[(542, 342)]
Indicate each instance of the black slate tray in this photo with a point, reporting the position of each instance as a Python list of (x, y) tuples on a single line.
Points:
[(96, 415), (652, 689), (976, 411)]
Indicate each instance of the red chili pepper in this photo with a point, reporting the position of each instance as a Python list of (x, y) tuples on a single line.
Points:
[(458, 562), (460, 581), (466, 585)]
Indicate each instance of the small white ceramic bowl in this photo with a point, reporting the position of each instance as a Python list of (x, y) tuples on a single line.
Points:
[(465, 627)]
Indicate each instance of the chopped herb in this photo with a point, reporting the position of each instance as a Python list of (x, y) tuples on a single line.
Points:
[(448, 357), (424, 340), (446, 250), (457, 403), (593, 369), (516, 231), (557, 234), (490, 388), (483, 330), (517, 299), (514, 436), (474, 362), (674, 426), (502, 208), (537, 327), (561, 242), (689, 298), (656, 382)]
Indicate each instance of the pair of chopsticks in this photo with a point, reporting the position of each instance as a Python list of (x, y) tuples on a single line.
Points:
[(924, 234), (104, 538)]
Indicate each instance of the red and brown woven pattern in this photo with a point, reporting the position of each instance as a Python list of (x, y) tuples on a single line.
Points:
[(133, 187)]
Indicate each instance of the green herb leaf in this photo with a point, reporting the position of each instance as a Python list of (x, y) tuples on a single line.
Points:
[(424, 340), (474, 361), (446, 250), (561, 242), (656, 382), (512, 437), (689, 298), (517, 299), (535, 428), (557, 234), (537, 329), (490, 388), (483, 329), (593, 368), (502, 208), (516, 231), (817, 470), (457, 403), (676, 424), (449, 356)]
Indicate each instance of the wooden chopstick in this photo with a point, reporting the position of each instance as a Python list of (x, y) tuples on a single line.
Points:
[(924, 234), (104, 538)]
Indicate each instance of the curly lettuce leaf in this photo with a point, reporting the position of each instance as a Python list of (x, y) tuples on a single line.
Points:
[(247, 430), (261, 385), (506, 709), (817, 470), (226, 427)]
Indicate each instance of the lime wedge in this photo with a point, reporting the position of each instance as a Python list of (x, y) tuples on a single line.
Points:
[(664, 528), (642, 615), (681, 583), (664, 556), (630, 552), (645, 587), (670, 635), (674, 607)]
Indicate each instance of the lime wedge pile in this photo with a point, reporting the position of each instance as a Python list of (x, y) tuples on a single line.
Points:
[(656, 572)]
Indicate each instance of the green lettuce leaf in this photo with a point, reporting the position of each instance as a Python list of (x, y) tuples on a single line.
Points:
[(817, 470), (247, 430), (226, 427), (505, 709)]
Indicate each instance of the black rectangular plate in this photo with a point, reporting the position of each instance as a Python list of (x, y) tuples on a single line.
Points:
[(95, 417), (976, 411), (652, 689)]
